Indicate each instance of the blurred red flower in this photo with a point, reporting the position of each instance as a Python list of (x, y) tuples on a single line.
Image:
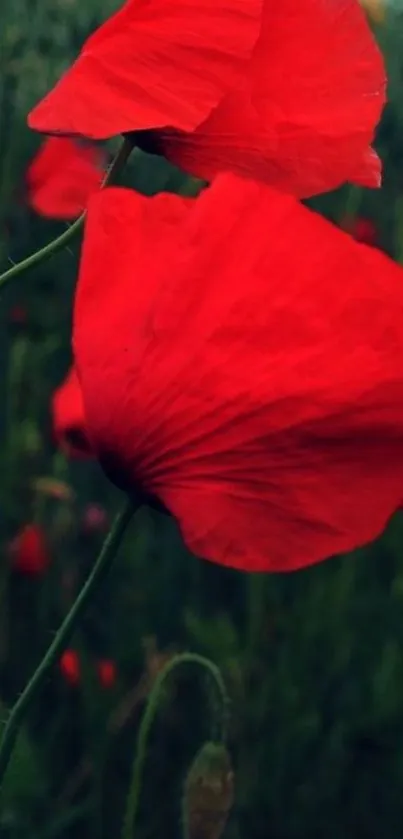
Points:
[(95, 518), (18, 315), (29, 550), (62, 176), (69, 664), (289, 92), (107, 673), (361, 229), (68, 418), (246, 387)]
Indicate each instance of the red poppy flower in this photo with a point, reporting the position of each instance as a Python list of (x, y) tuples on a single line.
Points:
[(70, 667), (29, 550), (107, 673), (62, 177), (68, 418), (289, 92), (231, 374)]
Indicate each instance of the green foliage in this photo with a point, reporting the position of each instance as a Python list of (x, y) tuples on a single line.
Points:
[(25, 780)]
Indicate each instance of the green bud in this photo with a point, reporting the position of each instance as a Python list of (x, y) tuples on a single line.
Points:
[(208, 794)]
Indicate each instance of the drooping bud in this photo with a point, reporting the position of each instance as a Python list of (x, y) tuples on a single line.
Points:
[(208, 794), (375, 9)]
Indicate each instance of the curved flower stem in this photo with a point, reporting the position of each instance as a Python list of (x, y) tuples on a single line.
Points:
[(61, 241), (213, 671), (62, 636)]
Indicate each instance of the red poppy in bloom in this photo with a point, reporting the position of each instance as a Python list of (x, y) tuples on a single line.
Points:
[(68, 418), (29, 550), (62, 177), (70, 666), (107, 673), (231, 375), (289, 92)]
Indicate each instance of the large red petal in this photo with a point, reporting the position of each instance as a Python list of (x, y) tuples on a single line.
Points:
[(154, 63), (69, 421), (245, 366), (305, 116), (62, 177)]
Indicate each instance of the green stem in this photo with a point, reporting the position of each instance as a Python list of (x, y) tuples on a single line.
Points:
[(61, 241), (352, 204), (61, 638), (213, 671)]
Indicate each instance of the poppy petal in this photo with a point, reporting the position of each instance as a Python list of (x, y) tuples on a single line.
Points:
[(68, 418), (154, 63), (305, 116), (152, 225), (243, 364), (62, 177)]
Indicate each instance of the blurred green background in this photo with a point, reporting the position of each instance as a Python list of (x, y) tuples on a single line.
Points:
[(313, 661)]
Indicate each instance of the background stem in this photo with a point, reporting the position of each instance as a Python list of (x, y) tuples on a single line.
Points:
[(61, 638)]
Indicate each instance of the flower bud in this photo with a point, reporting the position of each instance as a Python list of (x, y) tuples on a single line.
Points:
[(209, 793)]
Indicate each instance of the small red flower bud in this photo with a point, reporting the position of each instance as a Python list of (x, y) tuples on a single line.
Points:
[(29, 550), (361, 229), (106, 672)]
